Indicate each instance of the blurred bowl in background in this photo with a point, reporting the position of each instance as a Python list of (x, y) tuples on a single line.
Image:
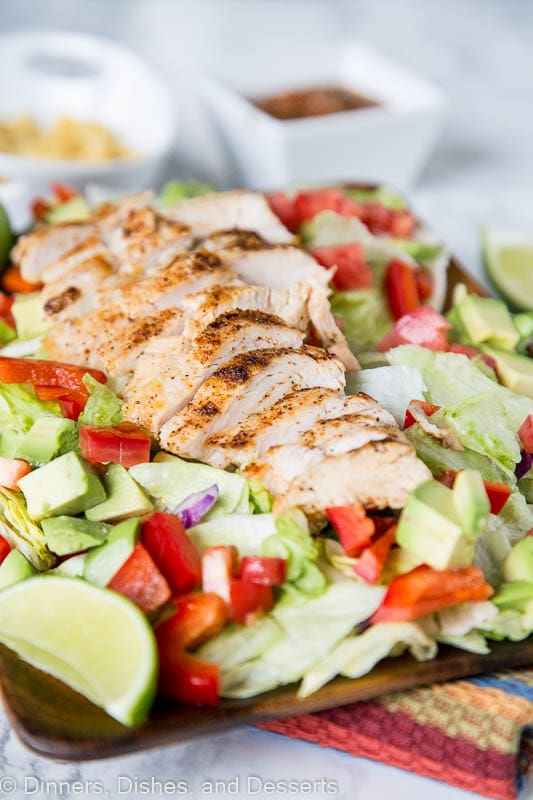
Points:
[(388, 142), (50, 75)]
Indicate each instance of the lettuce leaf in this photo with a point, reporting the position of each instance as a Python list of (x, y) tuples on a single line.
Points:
[(365, 316), (393, 387), (293, 542), (501, 533), (383, 195), (176, 191), (238, 644), (22, 533), (247, 532), (103, 406), (19, 409)]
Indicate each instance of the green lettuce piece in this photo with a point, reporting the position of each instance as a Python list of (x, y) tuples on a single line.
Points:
[(473, 642), (103, 406), (22, 533), (525, 485), (393, 387), (365, 316), (76, 209), (357, 655), (294, 543), (246, 532), (238, 644), (19, 409), (381, 194), (176, 191), (501, 533), (170, 480), (260, 499), (311, 629), (7, 332), (508, 624), (420, 251)]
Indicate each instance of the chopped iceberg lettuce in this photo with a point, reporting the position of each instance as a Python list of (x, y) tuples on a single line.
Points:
[(293, 542), (237, 644), (176, 191), (21, 532), (19, 410), (393, 387), (501, 533), (365, 316), (247, 532), (260, 500), (103, 406)]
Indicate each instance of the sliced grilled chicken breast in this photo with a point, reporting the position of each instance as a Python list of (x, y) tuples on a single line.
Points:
[(169, 373), (39, 249), (350, 431), (77, 340), (235, 209), (148, 241), (92, 246), (248, 383), (380, 474), (75, 293)]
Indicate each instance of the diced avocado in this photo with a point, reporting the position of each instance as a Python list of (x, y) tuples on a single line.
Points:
[(66, 535), (74, 210), (67, 485), (48, 438), (72, 567), (485, 319), (518, 566), (524, 324), (471, 502), (514, 595), (125, 498), (514, 371), (29, 315), (14, 568), (430, 528), (105, 561)]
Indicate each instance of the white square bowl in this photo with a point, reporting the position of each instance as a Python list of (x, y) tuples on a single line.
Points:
[(389, 143)]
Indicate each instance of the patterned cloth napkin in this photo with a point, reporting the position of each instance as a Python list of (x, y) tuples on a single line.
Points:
[(476, 734)]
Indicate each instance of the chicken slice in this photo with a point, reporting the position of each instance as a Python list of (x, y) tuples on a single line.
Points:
[(263, 264), (380, 474), (248, 383), (147, 241), (38, 250), (282, 423), (74, 294), (351, 431), (236, 209), (91, 247), (170, 372), (77, 340)]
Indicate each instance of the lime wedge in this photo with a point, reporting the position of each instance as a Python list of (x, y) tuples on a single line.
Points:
[(93, 639), (509, 262), (6, 237)]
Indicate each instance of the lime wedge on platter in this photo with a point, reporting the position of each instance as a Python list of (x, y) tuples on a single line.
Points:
[(509, 262), (92, 639)]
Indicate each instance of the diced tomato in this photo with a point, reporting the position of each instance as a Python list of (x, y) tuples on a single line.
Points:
[(6, 304), (525, 434), (185, 679), (11, 471), (376, 217), (498, 494), (100, 445), (401, 288), (72, 402), (354, 528), (308, 204), (219, 566), (423, 326), (13, 282), (71, 408), (372, 560), (427, 408), (249, 599), (424, 283), (264, 571), (45, 373), (140, 580), (5, 548), (40, 208), (352, 271), (198, 617), (173, 551), (402, 223), (472, 352), (62, 192), (283, 208), (425, 590)]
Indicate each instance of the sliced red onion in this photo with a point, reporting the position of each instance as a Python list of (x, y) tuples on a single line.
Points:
[(524, 465), (195, 506)]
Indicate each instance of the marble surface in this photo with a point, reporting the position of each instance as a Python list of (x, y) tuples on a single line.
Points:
[(481, 172)]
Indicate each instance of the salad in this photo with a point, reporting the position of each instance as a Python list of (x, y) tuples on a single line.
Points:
[(203, 495)]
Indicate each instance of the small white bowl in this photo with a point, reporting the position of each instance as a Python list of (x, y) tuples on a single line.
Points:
[(54, 74), (386, 143)]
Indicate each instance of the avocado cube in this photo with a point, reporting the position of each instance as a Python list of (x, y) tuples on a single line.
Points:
[(105, 561), (67, 485), (29, 315), (47, 438), (430, 529), (14, 568), (518, 566), (514, 595), (125, 498), (65, 535), (514, 370), (471, 502), (488, 320)]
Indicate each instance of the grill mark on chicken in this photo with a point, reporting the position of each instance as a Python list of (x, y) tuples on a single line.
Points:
[(57, 304)]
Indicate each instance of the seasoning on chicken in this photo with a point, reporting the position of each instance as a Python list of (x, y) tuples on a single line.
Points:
[(38, 250), (74, 294)]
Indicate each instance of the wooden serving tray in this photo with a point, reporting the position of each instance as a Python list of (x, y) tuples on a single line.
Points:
[(55, 721)]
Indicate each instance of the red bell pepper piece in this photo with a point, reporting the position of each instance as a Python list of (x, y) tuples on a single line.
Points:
[(140, 580), (11, 471), (376, 217), (198, 617), (423, 326), (100, 445), (62, 192), (40, 208), (525, 434), (46, 373), (248, 599), (5, 548), (283, 208), (219, 566), (13, 282), (352, 271), (6, 304), (354, 528), (71, 402), (173, 551), (427, 408), (185, 679), (425, 590), (498, 494), (264, 571), (372, 560), (308, 204), (424, 283), (71, 407), (401, 288)]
